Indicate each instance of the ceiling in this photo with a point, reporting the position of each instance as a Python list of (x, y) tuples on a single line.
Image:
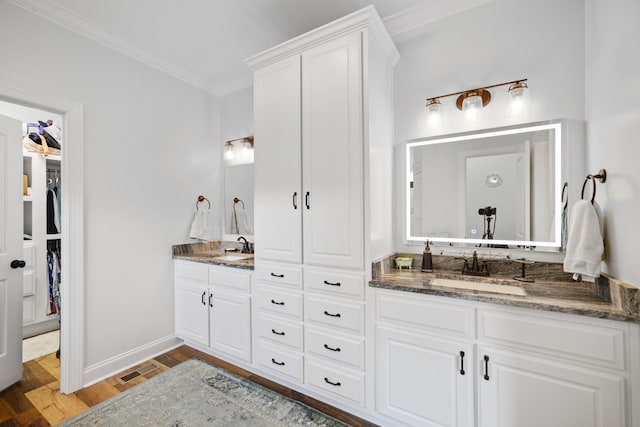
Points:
[(205, 42)]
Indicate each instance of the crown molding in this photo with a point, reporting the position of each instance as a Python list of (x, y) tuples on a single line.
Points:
[(70, 20), (426, 13)]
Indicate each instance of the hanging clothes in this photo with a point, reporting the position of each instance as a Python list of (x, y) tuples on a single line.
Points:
[(53, 216), (53, 270)]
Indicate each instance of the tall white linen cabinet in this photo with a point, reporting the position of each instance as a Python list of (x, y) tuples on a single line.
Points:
[(323, 117)]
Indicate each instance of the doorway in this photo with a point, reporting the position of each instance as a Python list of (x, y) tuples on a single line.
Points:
[(71, 319)]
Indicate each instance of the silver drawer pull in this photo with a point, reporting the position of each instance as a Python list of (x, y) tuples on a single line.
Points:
[(332, 349), (326, 380), (332, 315)]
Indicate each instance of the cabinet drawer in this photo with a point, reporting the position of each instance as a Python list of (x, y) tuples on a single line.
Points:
[(289, 333), (337, 383), (286, 363), (336, 347), (191, 271), (230, 278), (29, 254), (279, 273), (334, 281), (348, 315), (275, 300), (28, 283), (558, 336), (420, 311), (28, 309)]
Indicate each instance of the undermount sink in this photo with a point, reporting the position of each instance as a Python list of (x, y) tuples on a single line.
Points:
[(234, 257), (478, 286)]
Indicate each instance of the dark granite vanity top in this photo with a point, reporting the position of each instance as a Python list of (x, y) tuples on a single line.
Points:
[(212, 253), (553, 289)]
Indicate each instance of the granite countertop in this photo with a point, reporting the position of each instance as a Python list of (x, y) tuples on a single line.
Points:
[(553, 290), (212, 253)]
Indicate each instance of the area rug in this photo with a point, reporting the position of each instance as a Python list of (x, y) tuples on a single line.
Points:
[(196, 393)]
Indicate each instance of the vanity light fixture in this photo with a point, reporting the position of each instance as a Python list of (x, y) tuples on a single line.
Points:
[(472, 101), (239, 153)]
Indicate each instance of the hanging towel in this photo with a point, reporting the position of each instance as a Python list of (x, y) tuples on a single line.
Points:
[(585, 245), (200, 225), (240, 222)]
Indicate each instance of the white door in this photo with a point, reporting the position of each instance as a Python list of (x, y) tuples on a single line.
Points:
[(11, 250), (528, 391), (332, 150), (278, 176), (424, 380), (230, 327)]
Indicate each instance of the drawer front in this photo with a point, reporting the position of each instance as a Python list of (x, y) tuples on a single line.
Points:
[(28, 309), (335, 382), (279, 273), (230, 278), (29, 254), (28, 283), (334, 282), (559, 337), (289, 364), (339, 348), (347, 315), (289, 333), (275, 300), (420, 311), (191, 271)]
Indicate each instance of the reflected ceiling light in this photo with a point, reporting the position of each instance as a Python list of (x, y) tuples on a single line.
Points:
[(472, 101)]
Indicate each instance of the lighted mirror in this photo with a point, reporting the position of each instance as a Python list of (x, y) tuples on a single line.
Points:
[(497, 188)]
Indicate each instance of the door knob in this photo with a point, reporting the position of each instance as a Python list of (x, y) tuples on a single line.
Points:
[(18, 263)]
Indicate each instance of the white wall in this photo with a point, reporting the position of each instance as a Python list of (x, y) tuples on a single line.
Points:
[(613, 127), (499, 41), (150, 147)]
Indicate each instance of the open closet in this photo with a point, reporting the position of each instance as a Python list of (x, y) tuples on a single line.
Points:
[(42, 208)]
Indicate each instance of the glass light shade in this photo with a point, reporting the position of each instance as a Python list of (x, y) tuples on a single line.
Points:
[(229, 155), (473, 102), (518, 98), (434, 109)]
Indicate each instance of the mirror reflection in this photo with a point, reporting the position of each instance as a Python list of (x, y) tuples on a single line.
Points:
[(494, 188), (238, 203)]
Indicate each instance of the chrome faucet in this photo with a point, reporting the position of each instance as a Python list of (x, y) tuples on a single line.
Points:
[(247, 248), (476, 268)]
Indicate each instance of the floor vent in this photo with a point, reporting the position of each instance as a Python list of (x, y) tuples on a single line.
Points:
[(137, 373)]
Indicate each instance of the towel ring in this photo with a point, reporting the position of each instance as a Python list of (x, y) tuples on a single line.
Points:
[(202, 199), (236, 201), (562, 199), (601, 176)]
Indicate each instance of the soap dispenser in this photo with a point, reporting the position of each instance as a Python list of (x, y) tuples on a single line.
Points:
[(427, 261)]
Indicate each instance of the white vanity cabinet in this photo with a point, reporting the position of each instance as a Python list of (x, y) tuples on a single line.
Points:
[(521, 367), (309, 174), (213, 308)]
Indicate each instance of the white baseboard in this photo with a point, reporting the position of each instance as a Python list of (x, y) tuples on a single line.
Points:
[(110, 367)]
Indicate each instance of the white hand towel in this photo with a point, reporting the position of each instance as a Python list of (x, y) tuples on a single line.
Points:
[(200, 225), (585, 245)]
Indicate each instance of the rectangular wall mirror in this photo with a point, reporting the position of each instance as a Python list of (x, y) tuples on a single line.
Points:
[(238, 188), (498, 188)]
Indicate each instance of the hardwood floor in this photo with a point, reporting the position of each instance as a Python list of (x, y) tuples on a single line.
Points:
[(37, 401)]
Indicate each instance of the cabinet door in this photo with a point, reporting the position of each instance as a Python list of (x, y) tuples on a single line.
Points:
[(423, 380), (528, 391), (332, 148), (192, 313), (278, 197), (230, 324)]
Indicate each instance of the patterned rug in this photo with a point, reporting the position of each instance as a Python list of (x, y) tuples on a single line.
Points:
[(195, 393)]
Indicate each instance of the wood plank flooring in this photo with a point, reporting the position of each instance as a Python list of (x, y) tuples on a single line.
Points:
[(37, 401)]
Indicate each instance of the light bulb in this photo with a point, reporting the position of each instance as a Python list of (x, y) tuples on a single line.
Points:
[(228, 151), (434, 108), (519, 97)]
